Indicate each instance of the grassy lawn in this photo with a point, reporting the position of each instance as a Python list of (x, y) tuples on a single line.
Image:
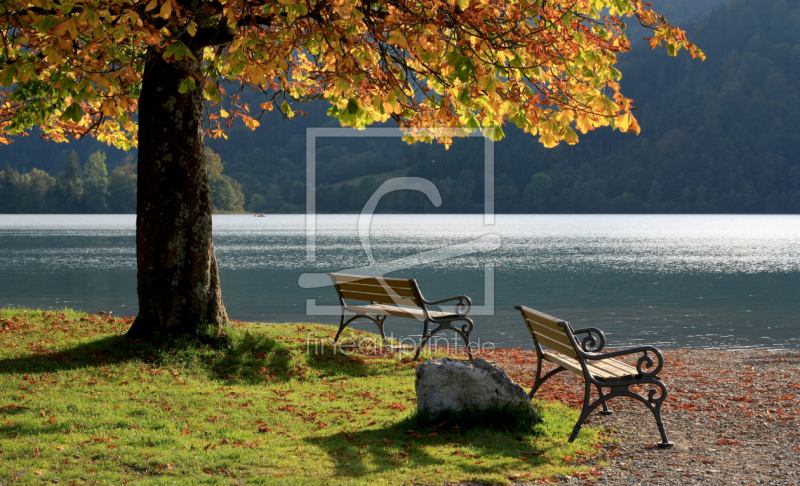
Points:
[(79, 403)]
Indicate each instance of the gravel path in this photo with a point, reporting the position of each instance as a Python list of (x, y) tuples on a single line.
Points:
[(734, 417)]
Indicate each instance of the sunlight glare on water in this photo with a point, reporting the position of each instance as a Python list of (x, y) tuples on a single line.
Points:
[(672, 280)]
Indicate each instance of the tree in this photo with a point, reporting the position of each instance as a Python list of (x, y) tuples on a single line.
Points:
[(74, 68), (96, 183), (226, 192), (538, 192), (70, 184), (122, 189), (257, 203)]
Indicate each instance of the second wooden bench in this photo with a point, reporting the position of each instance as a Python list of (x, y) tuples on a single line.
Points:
[(375, 298)]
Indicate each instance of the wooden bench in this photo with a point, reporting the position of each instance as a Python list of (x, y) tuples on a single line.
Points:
[(598, 369), (376, 298)]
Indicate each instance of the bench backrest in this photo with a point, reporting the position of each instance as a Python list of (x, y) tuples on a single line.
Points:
[(393, 291), (546, 331)]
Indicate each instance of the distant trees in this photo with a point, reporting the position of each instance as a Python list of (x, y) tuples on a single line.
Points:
[(122, 187), (90, 189), (96, 184), (226, 192), (73, 190)]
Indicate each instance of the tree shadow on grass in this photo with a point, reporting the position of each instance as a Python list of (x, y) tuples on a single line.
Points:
[(101, 352), (252, 359), (406, 447)]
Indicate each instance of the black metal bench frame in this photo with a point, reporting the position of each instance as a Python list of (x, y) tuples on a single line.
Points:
[(417, 308), (587, 354)]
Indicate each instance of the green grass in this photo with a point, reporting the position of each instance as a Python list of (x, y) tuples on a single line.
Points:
[(80, 403)]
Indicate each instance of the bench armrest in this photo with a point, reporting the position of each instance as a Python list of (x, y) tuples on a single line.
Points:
[(463, 307), (590, 343), (645, 361)]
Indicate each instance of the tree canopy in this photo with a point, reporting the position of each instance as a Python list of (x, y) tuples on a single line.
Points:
[(75, 67)]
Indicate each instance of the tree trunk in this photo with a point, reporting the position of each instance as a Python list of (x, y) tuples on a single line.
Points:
[(177, 277)]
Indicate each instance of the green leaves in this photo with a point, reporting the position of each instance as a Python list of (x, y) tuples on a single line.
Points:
[(187, 85), (495, 133), (7, 76), (463, 65), (72, 113)]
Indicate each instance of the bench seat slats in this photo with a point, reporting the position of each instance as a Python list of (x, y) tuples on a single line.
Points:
[(384, 298), (393, 310), (614, 366), (599, 369)]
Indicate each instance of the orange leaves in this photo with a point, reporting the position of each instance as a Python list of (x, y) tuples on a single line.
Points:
[(372, 64), (51, 419), (730, 442)]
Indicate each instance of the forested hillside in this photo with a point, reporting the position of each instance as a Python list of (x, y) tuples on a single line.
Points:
[(88, 188), (717, 136)]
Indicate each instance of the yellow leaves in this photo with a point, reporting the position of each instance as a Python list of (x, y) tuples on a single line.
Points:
[(626, 122), (547, 138), (108, 109), (695, 52), (166, 9), (584, 123), (398, 39), (341, 87), (570, 136), (256, 75), (544, 73), (251, 123)]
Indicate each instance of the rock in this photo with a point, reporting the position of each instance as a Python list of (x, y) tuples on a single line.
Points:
[(449, 384)]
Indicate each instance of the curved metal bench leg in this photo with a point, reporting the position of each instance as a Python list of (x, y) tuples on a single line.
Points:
[(661, 430), (606, 410), (652, 403), (464, 332), (379, 320), (342, 325), (425, 336), (656, 409), (585, 411), (469, 345), (539, 380), (465, 337)]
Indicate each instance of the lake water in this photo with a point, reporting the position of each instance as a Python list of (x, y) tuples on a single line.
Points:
[(672, 281)]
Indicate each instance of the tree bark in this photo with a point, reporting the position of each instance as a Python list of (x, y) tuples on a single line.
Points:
[(177, 277)]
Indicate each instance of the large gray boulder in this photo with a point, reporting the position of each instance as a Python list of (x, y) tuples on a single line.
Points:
[(449, 384)]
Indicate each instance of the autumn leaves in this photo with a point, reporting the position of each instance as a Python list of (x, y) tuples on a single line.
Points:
[(431, 65)]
